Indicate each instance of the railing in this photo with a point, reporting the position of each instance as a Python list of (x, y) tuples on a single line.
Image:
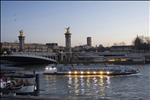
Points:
[(33, 54)]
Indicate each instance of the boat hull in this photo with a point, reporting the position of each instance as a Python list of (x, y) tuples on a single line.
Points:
[(110, 74), (25, 90)]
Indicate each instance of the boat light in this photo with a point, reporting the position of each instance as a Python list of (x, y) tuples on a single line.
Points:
[(94, 72), (75, 72), (69, 72), (46, 68), (101, 72), (88, 72), (54, 68), (50, 68), (112, 60), (108, 72), (123, 59), (81, 72), (35, 88)]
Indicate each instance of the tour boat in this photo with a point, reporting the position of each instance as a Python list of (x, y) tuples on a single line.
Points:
[(109, 70)]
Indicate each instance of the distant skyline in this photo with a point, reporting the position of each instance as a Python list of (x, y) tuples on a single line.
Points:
[(107, 22)]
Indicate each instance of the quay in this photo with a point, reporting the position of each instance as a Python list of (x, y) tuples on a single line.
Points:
[(50, 98), (19, 97)]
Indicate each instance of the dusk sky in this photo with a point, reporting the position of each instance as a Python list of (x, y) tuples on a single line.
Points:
[(45, 21)]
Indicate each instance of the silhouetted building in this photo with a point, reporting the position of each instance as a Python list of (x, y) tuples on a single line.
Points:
[(52, 45), (89, 41), (125, 48)]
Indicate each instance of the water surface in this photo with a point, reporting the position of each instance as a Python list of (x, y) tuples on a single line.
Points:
[(129, 87)]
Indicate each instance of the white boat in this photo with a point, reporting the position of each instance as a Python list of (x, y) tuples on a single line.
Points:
[(20, 84), (26, 90), (50, 69)]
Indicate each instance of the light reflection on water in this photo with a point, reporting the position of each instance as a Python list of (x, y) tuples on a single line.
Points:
[(81, 85), (135, 87)]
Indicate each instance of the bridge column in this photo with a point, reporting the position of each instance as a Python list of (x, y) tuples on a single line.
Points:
[(21, 41)]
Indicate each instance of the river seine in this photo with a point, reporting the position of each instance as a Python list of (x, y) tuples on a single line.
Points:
[(127, 87)]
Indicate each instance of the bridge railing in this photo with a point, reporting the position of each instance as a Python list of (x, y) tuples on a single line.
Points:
[(42, 55)]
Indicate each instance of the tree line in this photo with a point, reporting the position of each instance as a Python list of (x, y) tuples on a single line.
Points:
[(141, 43)]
